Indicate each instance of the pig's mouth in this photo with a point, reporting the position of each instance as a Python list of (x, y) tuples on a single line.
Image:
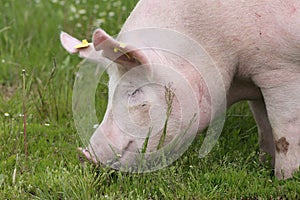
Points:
[(126, 158)]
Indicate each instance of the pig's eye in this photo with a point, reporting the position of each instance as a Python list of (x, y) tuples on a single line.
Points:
[(135, 92)]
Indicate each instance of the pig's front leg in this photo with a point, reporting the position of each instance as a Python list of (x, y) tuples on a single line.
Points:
[(282, 98), (266, 142)]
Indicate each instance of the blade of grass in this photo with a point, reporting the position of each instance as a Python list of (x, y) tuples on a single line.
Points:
[(24, 112), (169, 97), (145, 145)]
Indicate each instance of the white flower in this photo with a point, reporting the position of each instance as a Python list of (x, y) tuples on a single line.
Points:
[(6, 114), (117, 4), (82, 11), (78, 25), (102, 14), (95, 126), (98, 22), (111, 14), (73, 9)]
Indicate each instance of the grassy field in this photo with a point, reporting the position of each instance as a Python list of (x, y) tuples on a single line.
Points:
[(29, 39)]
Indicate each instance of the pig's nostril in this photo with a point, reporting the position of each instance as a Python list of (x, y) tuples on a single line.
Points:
[(87, 154)]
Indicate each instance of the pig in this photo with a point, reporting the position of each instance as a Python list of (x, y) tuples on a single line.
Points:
[(255, 47)]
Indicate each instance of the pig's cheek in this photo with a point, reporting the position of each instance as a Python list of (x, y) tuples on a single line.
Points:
[(174, 123), (136, 115)]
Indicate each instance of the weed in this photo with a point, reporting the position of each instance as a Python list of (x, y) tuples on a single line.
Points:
[(24, 112), (169, 97)]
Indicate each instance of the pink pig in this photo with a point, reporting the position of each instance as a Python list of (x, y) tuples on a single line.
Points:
[(255, 46)]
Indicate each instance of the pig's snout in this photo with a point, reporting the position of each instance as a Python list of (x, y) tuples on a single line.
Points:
[(110, 148), (86, 153)]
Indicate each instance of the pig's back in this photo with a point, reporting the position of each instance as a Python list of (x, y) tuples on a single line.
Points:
[(237, 33)]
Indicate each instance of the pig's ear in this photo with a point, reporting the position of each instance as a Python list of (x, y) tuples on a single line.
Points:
[(88, 51), (69, 42), (120, 53)]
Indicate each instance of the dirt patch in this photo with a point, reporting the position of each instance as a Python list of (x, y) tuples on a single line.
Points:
[(282, 146), (7, 92)]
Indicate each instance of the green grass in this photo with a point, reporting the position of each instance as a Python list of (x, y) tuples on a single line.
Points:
[(29, 39)]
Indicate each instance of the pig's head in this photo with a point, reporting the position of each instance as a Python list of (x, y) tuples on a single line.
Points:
[(152, 110)]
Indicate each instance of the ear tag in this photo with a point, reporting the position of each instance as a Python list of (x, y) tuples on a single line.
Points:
[(122, 45), (84, 44)]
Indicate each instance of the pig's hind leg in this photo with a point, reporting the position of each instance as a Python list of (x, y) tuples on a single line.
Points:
[(266, 142)]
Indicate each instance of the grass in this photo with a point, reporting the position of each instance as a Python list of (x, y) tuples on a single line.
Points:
[(29, 39)]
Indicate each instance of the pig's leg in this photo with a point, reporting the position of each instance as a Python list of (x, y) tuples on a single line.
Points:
[(283, 107), (266, 142)]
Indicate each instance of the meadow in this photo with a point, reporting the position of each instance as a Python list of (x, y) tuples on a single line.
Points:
[(50, 169)]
